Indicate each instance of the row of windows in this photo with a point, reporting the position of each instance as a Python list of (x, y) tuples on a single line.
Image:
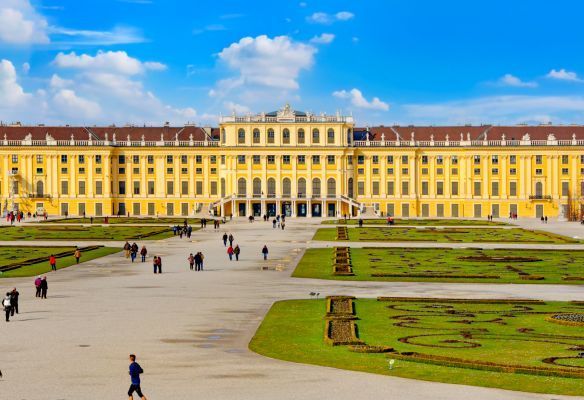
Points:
[(122, 159), (136, 185), (271, 136), (271, 159), (136, 209), (454, 171)]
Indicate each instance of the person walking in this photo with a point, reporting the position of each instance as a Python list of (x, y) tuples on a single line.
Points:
[(230, 252), (127, 248), (201, 259), (283, 224), (154, 263), (191, 260), (37, 285), (236, 251), (77, 255), (44, 287), (14, 301), (53, 262), (230, 240), (265, 252), (197, 259), (135, 371), (159, 264), (7, 306), (225, 239), (143, 253)]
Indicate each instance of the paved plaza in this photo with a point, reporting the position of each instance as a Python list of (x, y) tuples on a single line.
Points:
[(191, 330)]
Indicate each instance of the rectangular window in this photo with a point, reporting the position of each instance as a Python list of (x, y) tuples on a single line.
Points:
[(495, 171), (539, 159), (424, 160), (494, 188), (256, 159), (184, 170), (440, 210), (98, 171), (404, 159), (424, 171), (150, 159), (390, 171), (477, 189), (213, 188), (476, 160), (150, 171), (439, 160), (183, 159), (375, 188), (169, 159), (405, 171), (375, 159), (63, 170), (513, 188), (81, 209), (198, 159), (39, 170), (241, 159), (454, 210), (63, 158), (512, 160), (135, 170), (271, 159), (170, 171), (198, 188), (375, 171), (39, 158), (122, 187), (390, 209), (213, 159), (98, 159), (136, 208), (150, 187), (565, 171), (170, 209), (286, 159), (454, 171), (361, 188), (565, 188), (405, 189), (301, 136), (454, 188), (405, 210), (81, 187), (81, 171), (151, 209), (390, 188), (360, 160), (64, 188), (301, 160), (440, 188), (495, 160), (440, 171), (170, 187), (98, 209), (513, 171), (477, 171), (121, 159), (390, 159), (99, 187), (222, 160), (136, 187), (184, 187), (424, 188), (136, 159), (315, 159), (360, 171), (454, 160), (330, 160), (213, 171), (564, 159), (121, 170), (538, 171)]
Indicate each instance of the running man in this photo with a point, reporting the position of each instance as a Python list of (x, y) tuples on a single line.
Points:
[(135, 371)]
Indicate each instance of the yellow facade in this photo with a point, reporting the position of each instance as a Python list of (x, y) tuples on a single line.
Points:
[(293, 163)]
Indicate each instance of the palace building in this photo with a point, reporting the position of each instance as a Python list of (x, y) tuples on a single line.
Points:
[(293, 163)]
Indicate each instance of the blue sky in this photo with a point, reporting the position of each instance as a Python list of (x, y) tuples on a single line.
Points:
[(387, 62)]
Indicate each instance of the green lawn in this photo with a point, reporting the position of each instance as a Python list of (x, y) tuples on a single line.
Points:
[(126, 220), (510, 334), (417, 222), (449, 265), (444, 235), (73, 232), (16, 254)]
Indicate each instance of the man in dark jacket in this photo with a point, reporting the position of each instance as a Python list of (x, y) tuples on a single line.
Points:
[(44, 287), (14, 301), (135, 371)]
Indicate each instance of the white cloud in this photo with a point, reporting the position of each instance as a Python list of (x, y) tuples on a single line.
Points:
[(324, 38), (511, 80), (68, 103), (118, 35), (357, 100), (237, 108), (265, 62), (327, 19), (57, 82), (498, 110), (21, 24), (25, 68), (210, 28), (11, 93), (564, 75), (112, 61)]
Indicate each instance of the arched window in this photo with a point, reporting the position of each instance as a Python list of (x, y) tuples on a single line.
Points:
[(286, 136), (256, 135), (316, 187), (301, 136), (241, 136), (271, 135), (286, 188), (222, 187), (539, 189), (40, 188), (301, 187), (271, 187), (331, 187), (257, 187), (315, 136), (223, 136), (350, 187), (330, 136), (241, 187)]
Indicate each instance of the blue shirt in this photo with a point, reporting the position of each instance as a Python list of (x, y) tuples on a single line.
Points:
[(135, 371)]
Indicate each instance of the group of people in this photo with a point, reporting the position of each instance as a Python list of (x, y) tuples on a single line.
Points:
[(196, 261), (279, 222), (185, 230), (543, 219), (10, 303), (131, 251), (41, 287)]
